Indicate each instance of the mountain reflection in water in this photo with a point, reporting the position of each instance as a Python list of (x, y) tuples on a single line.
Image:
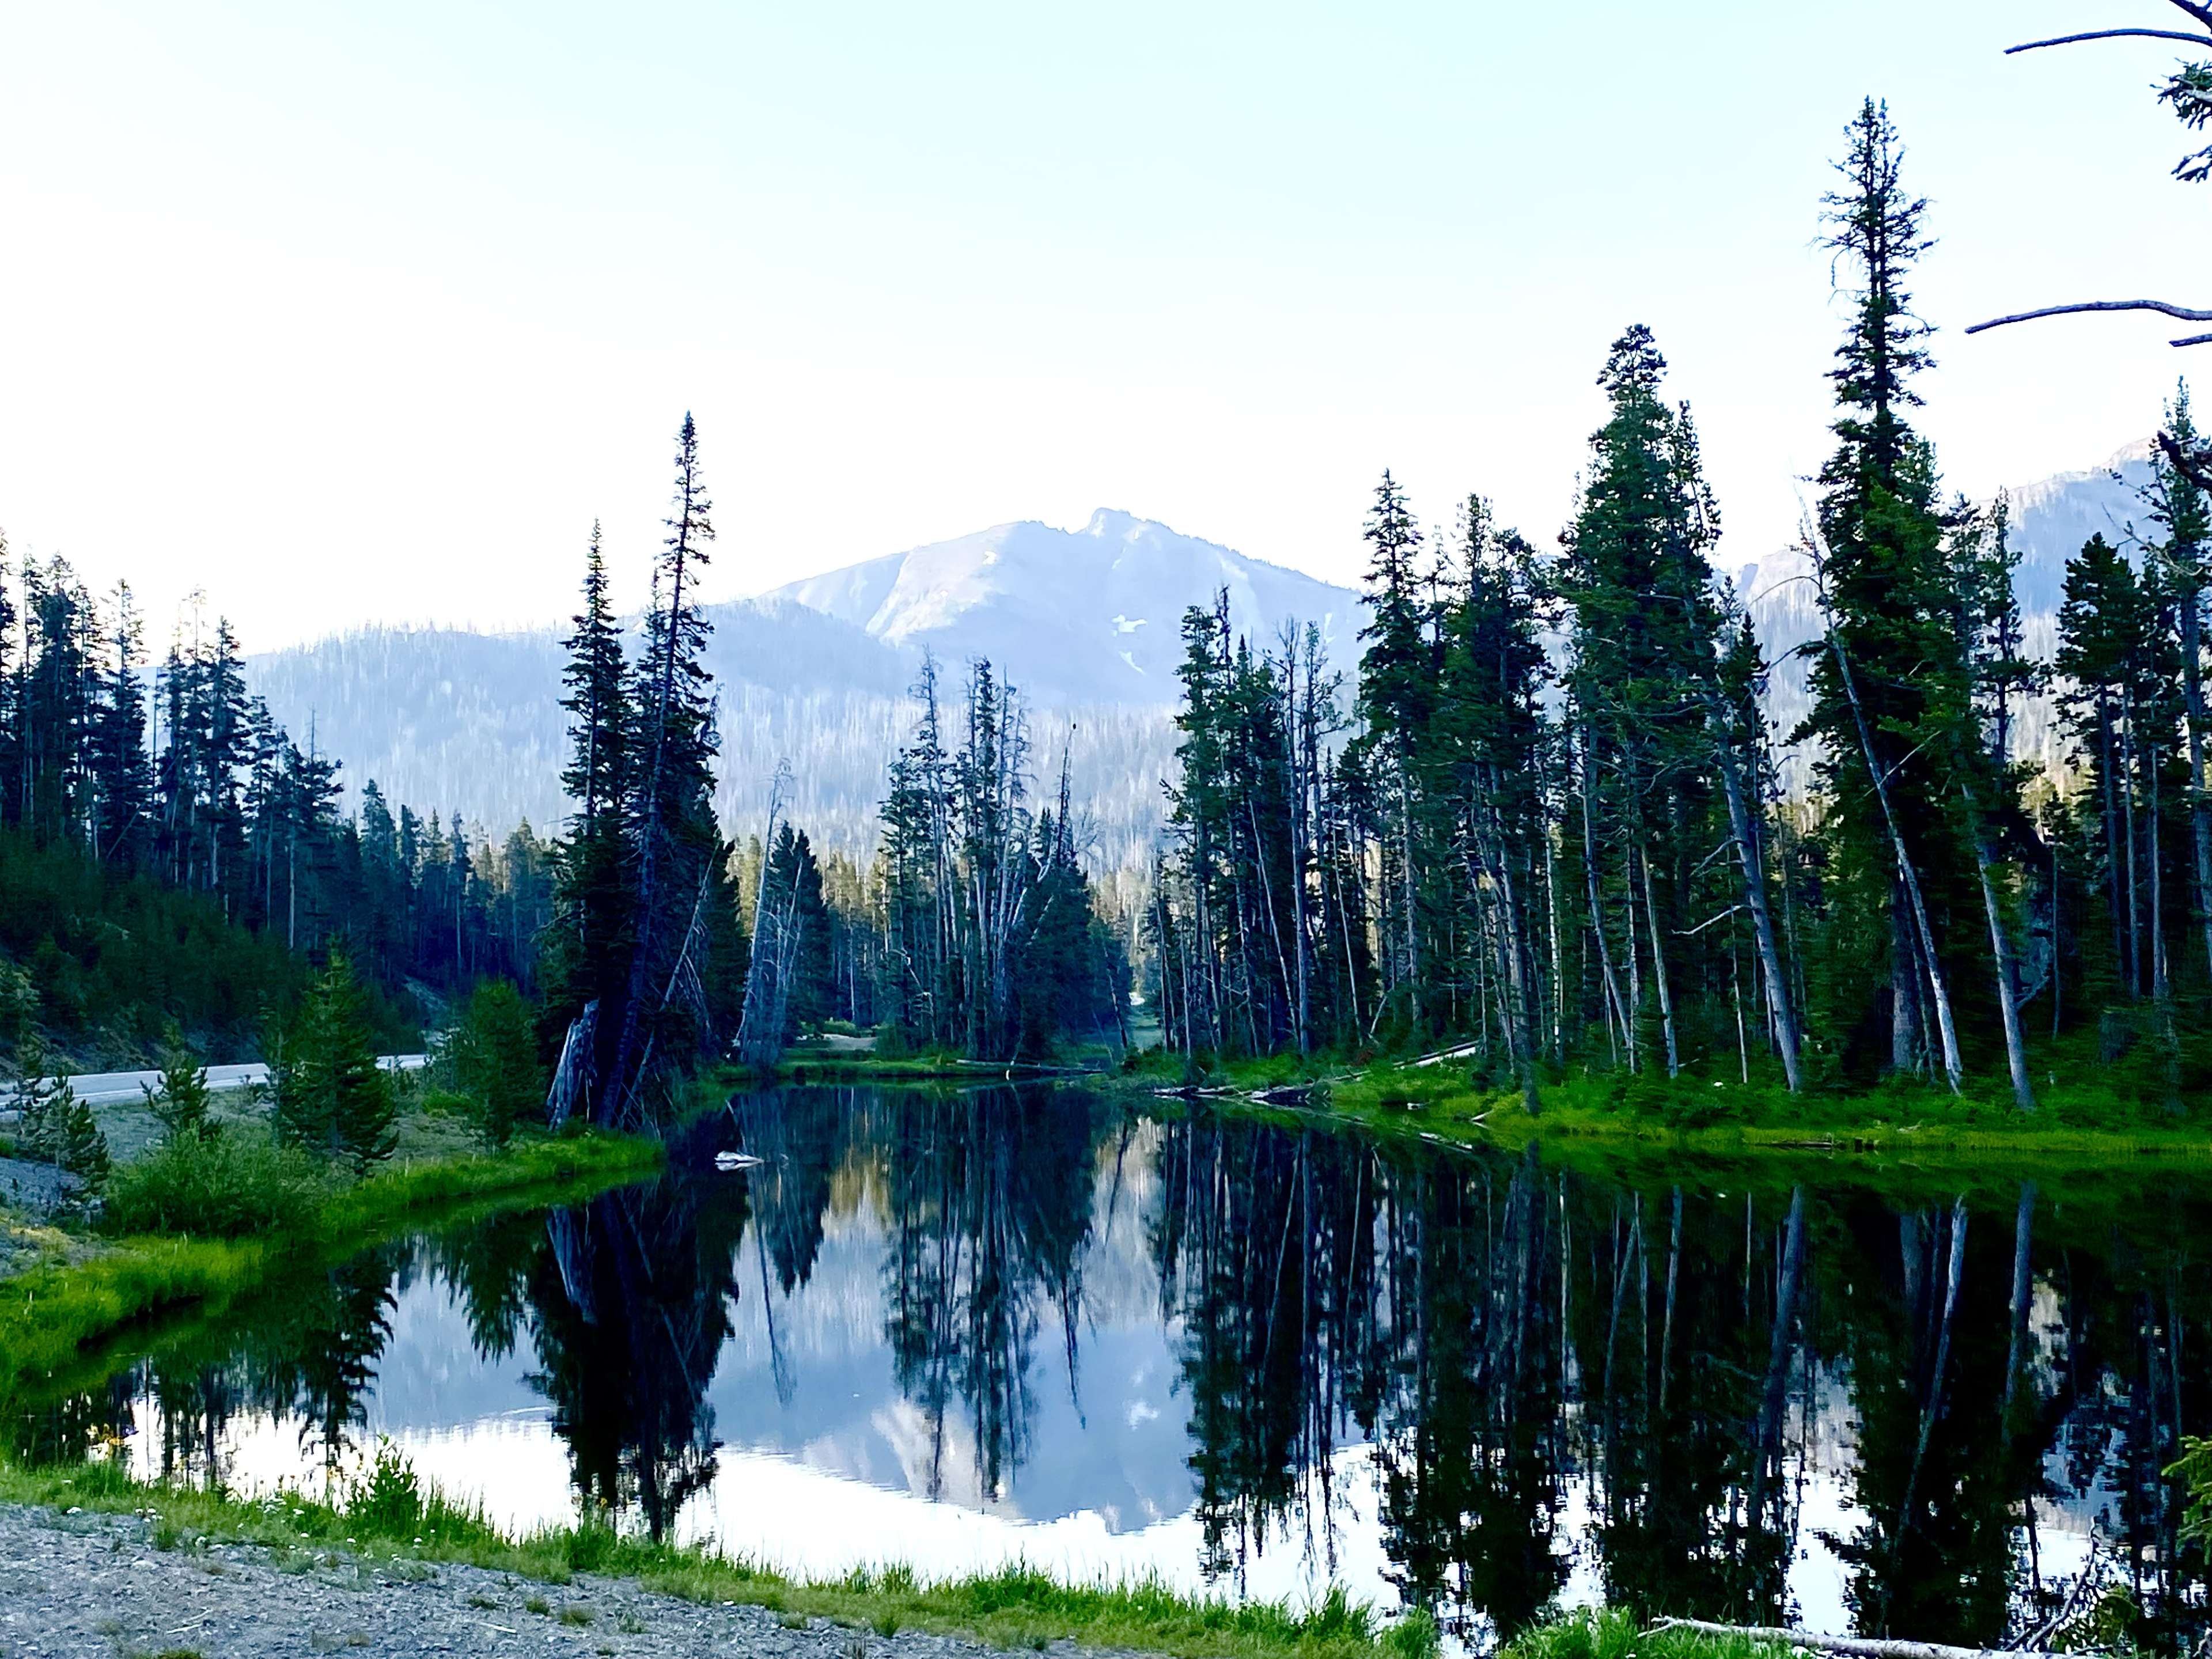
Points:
[(959, 1329)]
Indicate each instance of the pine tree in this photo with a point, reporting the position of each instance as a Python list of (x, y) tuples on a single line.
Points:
[(2181, 508), (58, 1127), (1889, 683), (333, 1098), (1397, 678), (1490, 725), (121, 777), (652, 912), (495, 1053), (2101, 623), (598, 702), (181, 1101)]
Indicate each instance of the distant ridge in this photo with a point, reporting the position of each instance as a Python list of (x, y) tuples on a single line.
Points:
[(1083, 621)]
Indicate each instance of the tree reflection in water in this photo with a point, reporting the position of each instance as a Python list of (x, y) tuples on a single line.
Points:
[(631, 1307), (1643, 1378)]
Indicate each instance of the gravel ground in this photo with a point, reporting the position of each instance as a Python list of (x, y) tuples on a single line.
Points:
[(93, 1585), (35, 1189)]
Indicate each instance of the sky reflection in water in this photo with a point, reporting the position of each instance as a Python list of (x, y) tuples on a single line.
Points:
[(955, 1331)]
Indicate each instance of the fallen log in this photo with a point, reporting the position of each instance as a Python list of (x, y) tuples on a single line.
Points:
[(1858, 1647)]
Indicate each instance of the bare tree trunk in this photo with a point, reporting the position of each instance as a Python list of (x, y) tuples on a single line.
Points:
[(1614, 1006), (1552, 922), (1634, 1018), (2106, 769), (2159, 983), (1674, 1272), (2128, 822), (1659, 963), (1904, 986), (1754, 870), (2023, 1285), (2023, 1092), (1405, 857), (1296, 722), (2200, 810), (1939, 992)]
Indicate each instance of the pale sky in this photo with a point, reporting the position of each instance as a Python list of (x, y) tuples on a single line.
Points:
[(345, 313)]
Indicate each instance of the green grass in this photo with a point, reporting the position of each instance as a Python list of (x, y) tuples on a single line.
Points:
[(231, 1183), (2089, 1115), (1613, 1635), (52, 1316), (390, 1513)]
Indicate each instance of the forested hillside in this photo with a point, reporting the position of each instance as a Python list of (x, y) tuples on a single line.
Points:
[(818, 675), (170, 853)]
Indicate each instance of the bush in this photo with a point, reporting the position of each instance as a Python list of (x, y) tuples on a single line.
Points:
[(390, 1500), (1415, 1636), (229, 1183)]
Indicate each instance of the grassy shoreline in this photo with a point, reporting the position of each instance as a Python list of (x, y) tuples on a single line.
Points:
[(1700, 1116), (53, 1314), (390, 1516)]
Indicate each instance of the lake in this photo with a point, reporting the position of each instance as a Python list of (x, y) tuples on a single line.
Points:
[(954, 1330)]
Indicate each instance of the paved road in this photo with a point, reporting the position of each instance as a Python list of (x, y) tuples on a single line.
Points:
[(129, 1088)]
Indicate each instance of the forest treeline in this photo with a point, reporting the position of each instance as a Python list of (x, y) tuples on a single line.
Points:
[(670, 947), (1547, 820), (170, 855), (169, 851)]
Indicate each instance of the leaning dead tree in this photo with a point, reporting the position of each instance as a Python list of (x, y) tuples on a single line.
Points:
[(2189, 92)]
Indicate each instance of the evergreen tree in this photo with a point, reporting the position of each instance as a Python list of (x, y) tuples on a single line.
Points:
[(1889, 683), (495, 1053), (650, 912), (598, 702), (121, 777), (1397, 679), (2101, 624), (181, 1101), (2183, 512), (58, 1127), (333, 1098)]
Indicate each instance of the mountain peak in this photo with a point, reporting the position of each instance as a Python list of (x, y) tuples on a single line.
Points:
[(1111, 523), (1089, 616)]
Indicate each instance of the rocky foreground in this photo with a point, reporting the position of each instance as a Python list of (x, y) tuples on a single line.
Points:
[(99, 1586)]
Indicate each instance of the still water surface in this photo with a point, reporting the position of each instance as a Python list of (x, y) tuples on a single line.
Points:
[(1026, 1324)]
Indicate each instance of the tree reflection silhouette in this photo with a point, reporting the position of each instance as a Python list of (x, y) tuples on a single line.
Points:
[(1667, 1381)]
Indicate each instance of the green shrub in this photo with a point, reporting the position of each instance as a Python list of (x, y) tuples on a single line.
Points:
[(229, 1183), (1415, 1636), (447, 1102), (389, 1501), (18, 1002)]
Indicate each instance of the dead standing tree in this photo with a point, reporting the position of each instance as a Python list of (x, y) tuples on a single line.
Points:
[(2189, 92)]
